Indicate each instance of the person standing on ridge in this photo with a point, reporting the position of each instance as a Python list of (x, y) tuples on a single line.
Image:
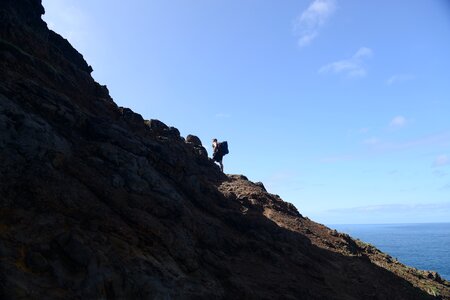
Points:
[(219, 150)]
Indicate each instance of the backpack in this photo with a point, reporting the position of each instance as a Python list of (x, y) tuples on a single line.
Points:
[(223, 148)]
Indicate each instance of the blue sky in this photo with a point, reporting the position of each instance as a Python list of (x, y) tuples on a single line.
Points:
[(341, 107)]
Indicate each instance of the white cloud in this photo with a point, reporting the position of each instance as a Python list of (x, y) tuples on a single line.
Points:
[(441, 160), (363, 52), (308, 24), (399, 78), (352, 67), (398, 121)]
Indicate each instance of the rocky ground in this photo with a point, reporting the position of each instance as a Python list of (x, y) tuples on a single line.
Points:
[(97, 203), (286, 216)]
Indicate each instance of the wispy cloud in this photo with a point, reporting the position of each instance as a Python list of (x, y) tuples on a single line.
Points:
[(364, 130), (223, 115), (308, 24), (381, 146), (441, 160), (439, 173), (352, 67), (283, 179), (395, 208), (391, 213), (360, 132), (398, 121), (441, 139), (337, 158), (399, 78)]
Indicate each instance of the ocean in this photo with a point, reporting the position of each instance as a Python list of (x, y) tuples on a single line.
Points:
[(423, 246)]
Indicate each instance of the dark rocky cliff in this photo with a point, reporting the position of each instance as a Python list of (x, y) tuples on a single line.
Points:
[(97, 203)]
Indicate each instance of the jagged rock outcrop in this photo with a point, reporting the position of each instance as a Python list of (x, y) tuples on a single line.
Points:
[(98, 203)]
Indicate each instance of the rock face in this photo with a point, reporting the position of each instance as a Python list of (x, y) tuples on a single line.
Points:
[(97, 203)]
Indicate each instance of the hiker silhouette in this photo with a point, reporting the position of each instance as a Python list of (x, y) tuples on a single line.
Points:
[(219, 150)]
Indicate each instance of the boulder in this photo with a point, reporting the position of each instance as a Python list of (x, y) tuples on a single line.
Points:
[(193, 139), (261, 185), (156, 125), (130, 116)]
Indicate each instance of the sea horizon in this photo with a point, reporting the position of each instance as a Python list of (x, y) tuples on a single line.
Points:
[(425, 246)]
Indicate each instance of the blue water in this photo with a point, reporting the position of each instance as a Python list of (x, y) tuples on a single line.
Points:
[(423, 246)]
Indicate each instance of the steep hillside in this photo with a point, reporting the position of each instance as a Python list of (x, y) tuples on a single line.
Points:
[(97, 203)]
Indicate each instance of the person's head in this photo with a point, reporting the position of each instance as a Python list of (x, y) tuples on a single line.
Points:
[(214, 140)]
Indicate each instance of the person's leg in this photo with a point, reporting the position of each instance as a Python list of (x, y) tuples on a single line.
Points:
[(221, 166)]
